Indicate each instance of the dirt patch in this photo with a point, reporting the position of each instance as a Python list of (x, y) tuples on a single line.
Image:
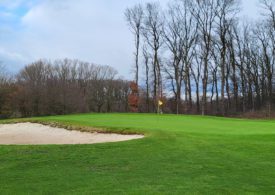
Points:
[(38, 134)]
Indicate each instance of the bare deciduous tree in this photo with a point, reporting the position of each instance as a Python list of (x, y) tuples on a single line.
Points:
[(134, 17), (152, 33)]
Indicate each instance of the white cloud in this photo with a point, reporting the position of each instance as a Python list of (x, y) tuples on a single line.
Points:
[(12, 60), (90, 30), (12, 55), (6, 15), (14, 4), (8, 4)]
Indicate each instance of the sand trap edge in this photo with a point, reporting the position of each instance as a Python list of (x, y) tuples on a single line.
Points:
[(36, 133)]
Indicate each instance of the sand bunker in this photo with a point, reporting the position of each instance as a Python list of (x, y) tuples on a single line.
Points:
[(37, 134)]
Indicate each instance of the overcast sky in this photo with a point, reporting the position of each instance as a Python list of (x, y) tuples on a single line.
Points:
[(89, 30)]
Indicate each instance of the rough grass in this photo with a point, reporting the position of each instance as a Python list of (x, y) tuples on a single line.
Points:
[(180, 154)]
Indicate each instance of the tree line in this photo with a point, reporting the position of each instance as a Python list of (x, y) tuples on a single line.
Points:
[(196, 56), (199, 56), (62, 87)]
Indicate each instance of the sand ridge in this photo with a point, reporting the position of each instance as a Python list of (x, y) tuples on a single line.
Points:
[(38, 134)]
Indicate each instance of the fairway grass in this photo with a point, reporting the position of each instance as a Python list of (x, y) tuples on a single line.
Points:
[(179, 154)]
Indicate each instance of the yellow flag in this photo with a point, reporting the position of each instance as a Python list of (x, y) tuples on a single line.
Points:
[(160, 103)]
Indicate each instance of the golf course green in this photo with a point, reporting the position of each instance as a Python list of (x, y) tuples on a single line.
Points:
[(179, 154)]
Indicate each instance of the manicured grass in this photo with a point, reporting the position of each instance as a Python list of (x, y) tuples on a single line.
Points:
[(180, 154)]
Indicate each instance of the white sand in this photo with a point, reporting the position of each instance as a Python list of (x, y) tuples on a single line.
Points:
[(37, 134)]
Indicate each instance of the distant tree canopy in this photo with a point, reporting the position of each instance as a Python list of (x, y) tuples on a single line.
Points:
[(195, 56), (63, 87)]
